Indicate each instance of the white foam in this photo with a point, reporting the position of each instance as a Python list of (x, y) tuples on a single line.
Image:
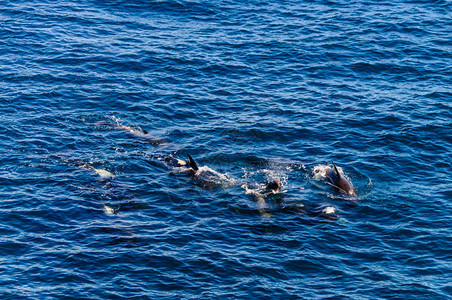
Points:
[(319, 172), (216, 177), (103, 173), (329, 210), (109, 210), (251, 191)]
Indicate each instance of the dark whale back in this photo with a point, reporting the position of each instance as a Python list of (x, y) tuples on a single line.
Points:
[(326, 211), (203, 177), (340, 182)]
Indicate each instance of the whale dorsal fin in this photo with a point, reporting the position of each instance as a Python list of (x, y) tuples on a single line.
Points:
[(336, 171), (145, 131), (192, 163)]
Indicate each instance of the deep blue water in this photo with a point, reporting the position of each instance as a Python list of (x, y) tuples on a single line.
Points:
[(255, 90)]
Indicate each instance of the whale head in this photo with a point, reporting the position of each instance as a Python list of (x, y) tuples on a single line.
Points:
[(274, 186)]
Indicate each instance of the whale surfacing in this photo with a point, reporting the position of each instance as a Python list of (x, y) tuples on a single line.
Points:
[(206, 177), (143, 134), (339, 181), (192, 164), (327, 212)]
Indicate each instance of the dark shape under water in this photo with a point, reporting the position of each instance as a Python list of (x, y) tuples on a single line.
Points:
[(326, 211), (136, 132)]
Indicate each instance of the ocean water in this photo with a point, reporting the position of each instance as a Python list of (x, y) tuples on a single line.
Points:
[(96, 97)]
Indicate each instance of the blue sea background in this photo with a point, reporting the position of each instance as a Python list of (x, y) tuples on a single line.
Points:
[(256, 90)]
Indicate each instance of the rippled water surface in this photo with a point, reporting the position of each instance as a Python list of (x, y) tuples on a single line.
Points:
[(97, 98)]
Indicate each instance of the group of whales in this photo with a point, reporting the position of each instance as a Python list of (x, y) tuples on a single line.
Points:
[(205, 176)]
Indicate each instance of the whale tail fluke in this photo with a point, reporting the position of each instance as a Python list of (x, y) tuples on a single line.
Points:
[(192, 163)]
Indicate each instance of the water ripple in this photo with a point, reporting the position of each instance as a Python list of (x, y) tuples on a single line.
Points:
[(254, 92)]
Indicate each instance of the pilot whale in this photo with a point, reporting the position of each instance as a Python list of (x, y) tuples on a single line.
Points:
[(105, 177), (340, 182), (135, 132), (202, 176), (260, 194), (76, 162), (326, 211), (207, 177), (274, 186)]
